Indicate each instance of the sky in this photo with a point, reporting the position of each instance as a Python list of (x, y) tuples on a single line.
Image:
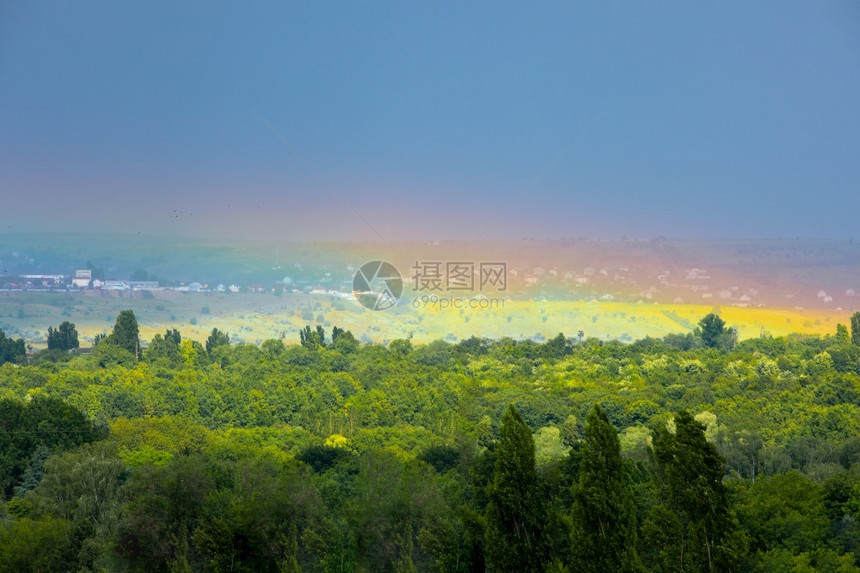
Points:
[(370, 121)]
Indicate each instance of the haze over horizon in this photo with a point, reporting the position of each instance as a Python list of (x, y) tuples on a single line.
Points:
[(444, 121)]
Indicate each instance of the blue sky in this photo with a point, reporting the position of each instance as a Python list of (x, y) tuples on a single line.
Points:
[(432, 120)]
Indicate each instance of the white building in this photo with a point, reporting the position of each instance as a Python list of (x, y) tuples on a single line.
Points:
[(82, 278)]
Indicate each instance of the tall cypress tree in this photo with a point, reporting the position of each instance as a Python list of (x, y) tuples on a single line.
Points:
[(692, 527), (604, 520), (126, 332), (515, 516)]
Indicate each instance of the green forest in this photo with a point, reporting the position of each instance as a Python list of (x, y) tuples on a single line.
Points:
[(691, 452)]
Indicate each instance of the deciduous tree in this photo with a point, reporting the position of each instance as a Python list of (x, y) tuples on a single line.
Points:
[(216, 339), (712, 331), (11, 350), (63, 338)]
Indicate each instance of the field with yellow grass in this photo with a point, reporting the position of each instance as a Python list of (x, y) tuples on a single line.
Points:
[(253, 318)]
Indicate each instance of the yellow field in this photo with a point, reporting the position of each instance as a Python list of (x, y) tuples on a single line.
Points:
[(604, 320), (256, 317)]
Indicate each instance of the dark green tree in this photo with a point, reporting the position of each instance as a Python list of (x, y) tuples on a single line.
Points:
[(273, 347), (557, 347), (855, 328), (604, 520), (784, 510), (842, 334), (336, 332), (691, 529), (36, 545), (400, 347), (714, 334), (63, 338), (11, 350), (343, 340), (54, 342), (126, 333), (312, 338), (173, 335), (165, 505), (515, 516), (216, 339), (108, 355), (41, 422), (164, 348), (255, 529), (81, 486)]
